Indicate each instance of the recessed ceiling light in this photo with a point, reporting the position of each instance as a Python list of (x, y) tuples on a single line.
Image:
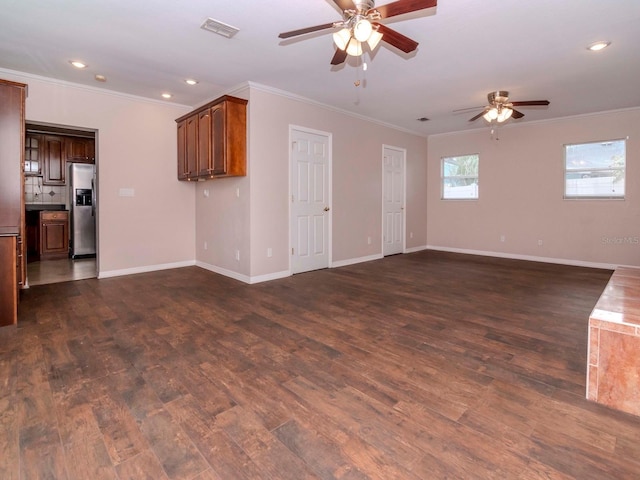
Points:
[(596, 47), (78, 64), (191, 81), (100, 78), (166, 95)]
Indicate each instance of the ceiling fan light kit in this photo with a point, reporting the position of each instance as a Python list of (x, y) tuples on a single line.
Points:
[(500, 109)]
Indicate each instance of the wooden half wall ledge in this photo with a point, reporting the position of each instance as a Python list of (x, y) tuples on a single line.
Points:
[(613, 370)]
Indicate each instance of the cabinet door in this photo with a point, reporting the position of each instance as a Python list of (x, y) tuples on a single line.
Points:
[(8, 281), (33, 150), (54, 235), (191, 147), (218, 139), (80, 150), (182, 150), (204, 143), (54, 160), (11, 157)]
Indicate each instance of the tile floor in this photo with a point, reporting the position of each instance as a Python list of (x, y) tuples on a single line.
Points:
[(64, 270)]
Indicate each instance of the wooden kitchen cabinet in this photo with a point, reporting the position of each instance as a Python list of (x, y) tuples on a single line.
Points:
[(54, 234), (8, 281), (33, 150), (12, 269), (212, 140), (205, 160), (54, 160), (183, 171), (80, 150)]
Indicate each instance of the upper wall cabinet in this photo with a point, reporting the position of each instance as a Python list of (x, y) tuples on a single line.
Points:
[(212, 140), (54, 156), (80, 150)]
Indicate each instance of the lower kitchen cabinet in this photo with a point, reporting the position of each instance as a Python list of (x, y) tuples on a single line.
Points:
[(54, 234)]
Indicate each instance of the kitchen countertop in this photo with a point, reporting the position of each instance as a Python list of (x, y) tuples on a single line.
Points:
[(44, 206)]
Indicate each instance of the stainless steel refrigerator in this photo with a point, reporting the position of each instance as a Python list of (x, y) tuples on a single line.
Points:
[(82, 206)]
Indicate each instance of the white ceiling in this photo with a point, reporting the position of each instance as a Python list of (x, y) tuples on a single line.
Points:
[(535, 49)]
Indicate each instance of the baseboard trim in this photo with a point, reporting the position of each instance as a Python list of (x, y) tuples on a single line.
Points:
[(530, 258), (416, 249), (353, 261), (145, 269), (241, 277)]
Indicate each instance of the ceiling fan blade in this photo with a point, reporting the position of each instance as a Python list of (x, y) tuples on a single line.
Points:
[(530, 103), (396, 39), (339, 57), (473, 119), (404, 6), (345, 4), (516, 114), (302, 31)]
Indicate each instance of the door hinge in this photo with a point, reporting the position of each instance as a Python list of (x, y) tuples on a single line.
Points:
[(291, 250), (292, 199)]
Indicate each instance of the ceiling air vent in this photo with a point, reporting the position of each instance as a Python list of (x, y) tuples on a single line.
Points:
[(218, 27)]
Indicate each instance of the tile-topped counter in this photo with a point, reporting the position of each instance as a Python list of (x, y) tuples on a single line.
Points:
[(613, 373)]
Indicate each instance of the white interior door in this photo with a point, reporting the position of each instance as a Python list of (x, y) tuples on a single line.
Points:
[(393, 196), (310, 205)]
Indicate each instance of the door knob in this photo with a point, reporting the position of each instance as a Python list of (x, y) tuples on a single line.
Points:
[(326, 209)]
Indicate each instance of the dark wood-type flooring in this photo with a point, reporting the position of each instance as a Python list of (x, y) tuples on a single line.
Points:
[(422, 366)]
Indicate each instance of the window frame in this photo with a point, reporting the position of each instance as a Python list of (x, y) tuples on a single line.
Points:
[(565, 171), (443, 178)]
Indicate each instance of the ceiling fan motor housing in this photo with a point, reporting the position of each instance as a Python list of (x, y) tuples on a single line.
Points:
[(500, 96), (363, 6)]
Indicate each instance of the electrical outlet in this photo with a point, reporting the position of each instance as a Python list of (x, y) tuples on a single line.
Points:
[(205, 192), (540, 242), (205, 245), (410, 234), (368, 240), (269, 252), (502, 238), (238, 255)]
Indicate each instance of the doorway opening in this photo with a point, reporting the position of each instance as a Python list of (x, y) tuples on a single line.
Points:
[(60, 203)]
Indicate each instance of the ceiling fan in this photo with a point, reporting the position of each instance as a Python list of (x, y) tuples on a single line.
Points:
[(361, 25), (501, 109)]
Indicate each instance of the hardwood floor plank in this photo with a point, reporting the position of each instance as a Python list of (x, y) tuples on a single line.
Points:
[(417, 366), (271, 456), (395, 457), (9, 436), (41, 453), (323, 456), (89, 459), (178, 456), (144, 466)]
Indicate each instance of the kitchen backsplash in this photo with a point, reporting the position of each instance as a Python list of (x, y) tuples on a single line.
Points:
[(36, 192)]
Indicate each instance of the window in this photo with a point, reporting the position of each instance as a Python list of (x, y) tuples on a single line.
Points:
[(595, 170), (460, 177)]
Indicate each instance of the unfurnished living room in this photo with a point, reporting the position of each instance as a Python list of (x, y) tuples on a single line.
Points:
[(334, 239)]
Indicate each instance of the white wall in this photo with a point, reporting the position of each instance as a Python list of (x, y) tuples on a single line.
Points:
[(521, 194), (136, 148), (222, 219), (356, 186)]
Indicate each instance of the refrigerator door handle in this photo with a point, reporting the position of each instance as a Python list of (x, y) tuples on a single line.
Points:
[(93, 196)]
